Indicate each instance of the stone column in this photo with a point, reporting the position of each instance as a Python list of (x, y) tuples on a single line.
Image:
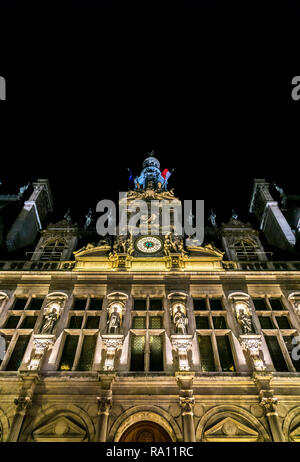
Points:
[(22, 403), (187, 405), (269, 403), (187, 401), (104, 405)]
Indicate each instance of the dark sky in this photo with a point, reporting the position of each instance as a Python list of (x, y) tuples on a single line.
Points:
[(90, 91)]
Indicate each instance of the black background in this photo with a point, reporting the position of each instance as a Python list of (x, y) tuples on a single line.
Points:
[(91, 89)]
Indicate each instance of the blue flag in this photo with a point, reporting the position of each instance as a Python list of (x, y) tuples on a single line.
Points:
[(130, 175)]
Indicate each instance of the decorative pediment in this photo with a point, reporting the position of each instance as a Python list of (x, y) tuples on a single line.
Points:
[(207, 251), (91, 251), (62, 224), (230, 430), (234, 223), (59, 430)]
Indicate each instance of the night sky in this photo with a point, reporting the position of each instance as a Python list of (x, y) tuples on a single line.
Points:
[(91, 93)]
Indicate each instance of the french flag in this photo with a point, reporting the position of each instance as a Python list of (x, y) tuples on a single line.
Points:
[(165, 174)]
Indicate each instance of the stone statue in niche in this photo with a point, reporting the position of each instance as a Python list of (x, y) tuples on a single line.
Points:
[(114, 321), (49, 321), (244, 317), (51, 314), (180, 320)]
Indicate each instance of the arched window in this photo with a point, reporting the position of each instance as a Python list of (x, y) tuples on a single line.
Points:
[(246, 250), (53, 250)]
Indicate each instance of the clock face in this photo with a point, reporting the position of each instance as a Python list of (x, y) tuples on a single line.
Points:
[(149, 244)]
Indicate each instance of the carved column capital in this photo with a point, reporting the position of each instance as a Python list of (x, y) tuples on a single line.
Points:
[(104, 405), (187, 405), (269, 403), (23, 404)]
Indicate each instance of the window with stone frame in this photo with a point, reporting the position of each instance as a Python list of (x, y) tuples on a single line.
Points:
[(53, 249), (85, 313), (78, 351), (15, 356), (147, 336), (214, 336), (23, 314), (5, 342), (246, 250), (278, 330)]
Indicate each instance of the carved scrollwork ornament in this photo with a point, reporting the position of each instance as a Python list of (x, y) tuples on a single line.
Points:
[(296, 303), (252, 343), (41, 345), (3, 296)]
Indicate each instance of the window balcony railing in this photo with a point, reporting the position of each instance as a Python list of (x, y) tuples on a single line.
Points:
[(261, 265), (24, 265)]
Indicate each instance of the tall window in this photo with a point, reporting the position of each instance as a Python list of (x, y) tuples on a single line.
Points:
[(78, 352), (23, 314), (17, 327), (213, 335), (147, 335), (278, 331), (82, 332), (17, 355)]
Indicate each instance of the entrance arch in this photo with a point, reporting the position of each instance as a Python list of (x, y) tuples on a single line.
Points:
[(146, 431)]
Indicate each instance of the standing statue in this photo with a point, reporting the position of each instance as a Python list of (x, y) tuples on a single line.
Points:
[(88, 219), (234, 216), (167, 244), (244, 320), (114, 322), (49, 322), (129, 244), (67, 216), (212, 218), (120, 244), (23, 189), (283, 196), (180, 321)]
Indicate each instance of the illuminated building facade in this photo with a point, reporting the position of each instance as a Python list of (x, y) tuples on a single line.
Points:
[(144, 338)]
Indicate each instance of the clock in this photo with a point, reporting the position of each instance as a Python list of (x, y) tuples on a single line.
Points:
[(149, 244)]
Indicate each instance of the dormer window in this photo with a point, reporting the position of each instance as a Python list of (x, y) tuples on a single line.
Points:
[(53, 250), (246, 250)]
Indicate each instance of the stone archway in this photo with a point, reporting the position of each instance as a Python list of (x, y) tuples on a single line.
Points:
[(145, 431), (139, 414)]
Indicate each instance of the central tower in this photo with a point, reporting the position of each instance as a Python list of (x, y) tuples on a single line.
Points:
[(151, 211)]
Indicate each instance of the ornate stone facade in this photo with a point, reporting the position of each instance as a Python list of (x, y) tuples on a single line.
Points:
[(151, 340)]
